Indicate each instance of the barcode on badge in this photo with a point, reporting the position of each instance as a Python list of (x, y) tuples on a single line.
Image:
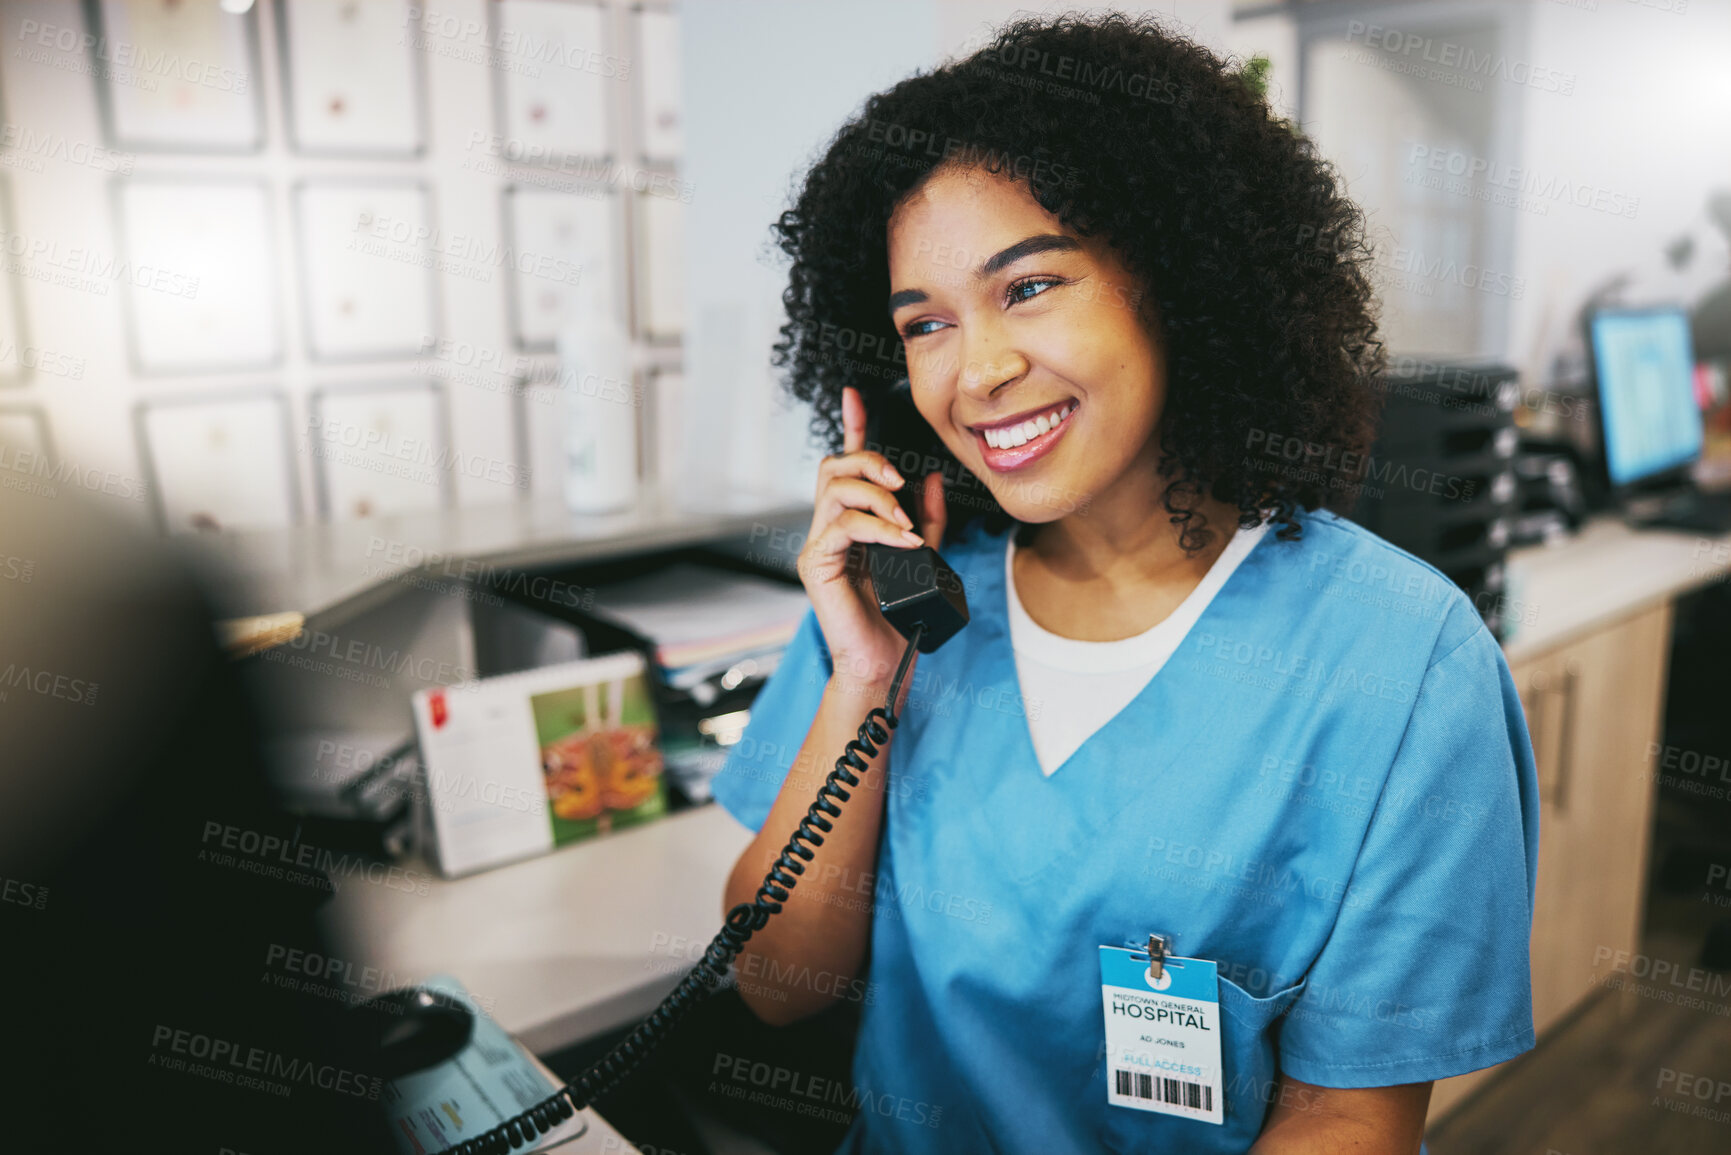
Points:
[(1176, 1092)]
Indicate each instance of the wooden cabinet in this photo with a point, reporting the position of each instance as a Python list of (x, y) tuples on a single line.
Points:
[(1592, 707)]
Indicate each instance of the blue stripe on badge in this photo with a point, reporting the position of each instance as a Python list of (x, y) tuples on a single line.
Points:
[(1192, 978)]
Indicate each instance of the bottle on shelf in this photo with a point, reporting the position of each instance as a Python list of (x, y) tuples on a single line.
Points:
[(598, 402)]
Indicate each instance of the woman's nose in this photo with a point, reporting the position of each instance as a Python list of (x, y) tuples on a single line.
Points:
[(989, 360)]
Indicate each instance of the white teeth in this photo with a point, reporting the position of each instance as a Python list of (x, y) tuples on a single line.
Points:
[(1010, 437)]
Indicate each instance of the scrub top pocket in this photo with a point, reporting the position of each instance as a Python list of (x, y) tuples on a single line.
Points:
[(1247, 1051)]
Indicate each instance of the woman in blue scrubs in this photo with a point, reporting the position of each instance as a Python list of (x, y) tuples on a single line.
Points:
[(1133, 310)]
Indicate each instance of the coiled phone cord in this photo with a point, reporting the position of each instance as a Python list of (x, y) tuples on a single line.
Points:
[(742, 922)]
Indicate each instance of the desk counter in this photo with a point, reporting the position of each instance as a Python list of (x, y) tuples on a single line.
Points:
[(589, 938), (562, 947)]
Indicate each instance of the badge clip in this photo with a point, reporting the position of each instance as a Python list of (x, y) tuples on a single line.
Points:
[(1159, 948), (1157, 955)]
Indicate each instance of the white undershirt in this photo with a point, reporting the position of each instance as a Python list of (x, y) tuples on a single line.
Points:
[(1072, 688)]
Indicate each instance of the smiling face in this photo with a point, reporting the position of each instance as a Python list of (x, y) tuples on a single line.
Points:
[(1026, 348)]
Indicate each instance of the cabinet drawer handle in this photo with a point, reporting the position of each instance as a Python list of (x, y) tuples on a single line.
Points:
[(1534, 704), (1566, 742)]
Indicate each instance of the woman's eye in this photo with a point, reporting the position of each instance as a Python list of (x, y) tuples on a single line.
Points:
[(920, 328), (1032, 287)]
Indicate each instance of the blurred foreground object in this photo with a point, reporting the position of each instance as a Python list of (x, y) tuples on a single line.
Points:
[(152, 975)]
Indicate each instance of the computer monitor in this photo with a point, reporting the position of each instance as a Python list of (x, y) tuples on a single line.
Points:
[(1647, 412)]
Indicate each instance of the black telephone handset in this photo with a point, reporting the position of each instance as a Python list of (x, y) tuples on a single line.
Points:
[(918, 593), (915, 588), (922, 598)]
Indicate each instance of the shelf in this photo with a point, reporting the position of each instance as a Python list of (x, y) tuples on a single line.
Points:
[(331, 571)]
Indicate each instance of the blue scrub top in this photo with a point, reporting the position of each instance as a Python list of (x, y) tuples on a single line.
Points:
[(1328, 790)]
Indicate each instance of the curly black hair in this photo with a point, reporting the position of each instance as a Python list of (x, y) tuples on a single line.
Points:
[(1253, 262)]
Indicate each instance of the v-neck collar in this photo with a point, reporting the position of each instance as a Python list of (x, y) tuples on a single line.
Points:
[(1147, 753), (1124, 654), (1138, 715)]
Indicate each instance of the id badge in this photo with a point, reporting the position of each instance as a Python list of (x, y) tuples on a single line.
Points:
[(1162, 1038)]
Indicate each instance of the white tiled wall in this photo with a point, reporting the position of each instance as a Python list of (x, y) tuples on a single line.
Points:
[(290, 264)]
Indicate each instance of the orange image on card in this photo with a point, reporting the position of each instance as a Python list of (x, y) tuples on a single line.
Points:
[(599, 756), (631, 766), (573, 784)]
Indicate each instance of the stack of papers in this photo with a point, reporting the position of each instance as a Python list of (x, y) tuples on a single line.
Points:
[(705, 621)]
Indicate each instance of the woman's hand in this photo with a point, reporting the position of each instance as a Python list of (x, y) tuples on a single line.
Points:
[(856, 504), (824, 929)]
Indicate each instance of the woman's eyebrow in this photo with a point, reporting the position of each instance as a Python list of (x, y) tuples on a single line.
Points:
[(1040, 243), (906, 297), (997, 262)]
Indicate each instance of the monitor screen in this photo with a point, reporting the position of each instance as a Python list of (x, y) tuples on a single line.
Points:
[(1646, 392)]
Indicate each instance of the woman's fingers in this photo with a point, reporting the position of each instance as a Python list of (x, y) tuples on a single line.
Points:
[(852, 493), (854, 502), (855, 468), (874, 467), (934, 516), (853, 420), (853, 525)]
